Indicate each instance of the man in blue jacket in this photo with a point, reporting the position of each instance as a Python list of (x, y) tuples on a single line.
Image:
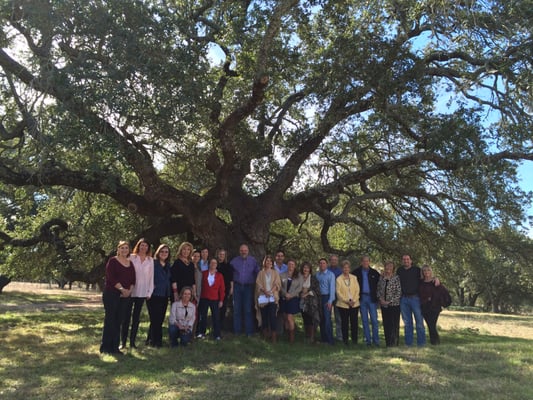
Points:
[(368, 287)]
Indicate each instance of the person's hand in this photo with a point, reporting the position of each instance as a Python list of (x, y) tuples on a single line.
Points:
[(220, 304), (126, 292), (436, 281), (329, 306)]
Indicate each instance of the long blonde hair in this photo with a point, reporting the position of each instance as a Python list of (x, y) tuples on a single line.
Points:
[(426, 267), (181, 246)]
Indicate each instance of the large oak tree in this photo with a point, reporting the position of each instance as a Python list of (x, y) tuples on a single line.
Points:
[(218, 118)]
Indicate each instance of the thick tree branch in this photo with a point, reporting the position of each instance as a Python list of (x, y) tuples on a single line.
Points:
[(48, 233), (134, 152), (51, 174), (16, 132), (336, 113), (235, 164), (304, 201)]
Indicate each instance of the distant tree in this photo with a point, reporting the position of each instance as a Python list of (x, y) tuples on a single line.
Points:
[(216, 119), (56, 250), (495, 274)]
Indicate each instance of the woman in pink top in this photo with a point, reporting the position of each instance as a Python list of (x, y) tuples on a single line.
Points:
[(141, 258), (119, 282)]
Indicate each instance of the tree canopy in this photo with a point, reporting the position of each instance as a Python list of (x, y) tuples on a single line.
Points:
[(389, 122)]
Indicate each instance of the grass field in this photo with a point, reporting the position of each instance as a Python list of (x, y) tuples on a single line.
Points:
[(49, 342)]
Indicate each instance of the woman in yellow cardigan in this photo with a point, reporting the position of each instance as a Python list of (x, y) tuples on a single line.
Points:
[(347, 291)]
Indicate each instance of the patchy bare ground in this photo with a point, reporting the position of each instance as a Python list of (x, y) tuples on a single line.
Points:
[(517, 326), (505, 325), (79, 297)]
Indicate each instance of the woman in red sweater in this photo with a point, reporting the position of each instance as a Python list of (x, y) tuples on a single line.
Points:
[(211, 297)]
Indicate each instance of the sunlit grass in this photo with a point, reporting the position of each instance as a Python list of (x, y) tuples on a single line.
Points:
[(53, 353)]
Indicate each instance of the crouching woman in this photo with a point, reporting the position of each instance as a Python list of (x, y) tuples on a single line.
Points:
[(181, 320)]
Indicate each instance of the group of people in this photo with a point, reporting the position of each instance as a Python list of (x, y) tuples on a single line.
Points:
[(268, 296)]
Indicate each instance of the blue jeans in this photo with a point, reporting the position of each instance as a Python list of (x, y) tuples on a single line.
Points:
[(410, 306), (338, 323), (178, 337), (242, 306), (326, 329), (368, 307)]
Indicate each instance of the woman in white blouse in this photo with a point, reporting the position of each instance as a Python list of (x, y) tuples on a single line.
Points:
[(141, 258), (181, 320)]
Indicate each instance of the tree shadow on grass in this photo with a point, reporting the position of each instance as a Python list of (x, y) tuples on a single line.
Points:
[(55, 355)]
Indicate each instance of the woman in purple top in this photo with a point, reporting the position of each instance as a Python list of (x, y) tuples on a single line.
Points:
[(119, 283)]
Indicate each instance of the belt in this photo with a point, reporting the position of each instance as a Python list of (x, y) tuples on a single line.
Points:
[(410, 295)]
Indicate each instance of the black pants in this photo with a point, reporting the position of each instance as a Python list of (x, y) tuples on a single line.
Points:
[(269, 317), (431, 315), (308, 319), (222, 311), (137, 303), (349, 317), (157, 308), (204, 307), (391, 324), (115, 310)]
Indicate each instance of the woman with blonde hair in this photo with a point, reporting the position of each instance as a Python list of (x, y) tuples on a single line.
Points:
[(389, 294), (182, 318), (119, 283), (432, 298), (182, 272), (347, 292), (268, 285)]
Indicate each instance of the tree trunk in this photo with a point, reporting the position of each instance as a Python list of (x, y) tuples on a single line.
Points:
[(4, 281)]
